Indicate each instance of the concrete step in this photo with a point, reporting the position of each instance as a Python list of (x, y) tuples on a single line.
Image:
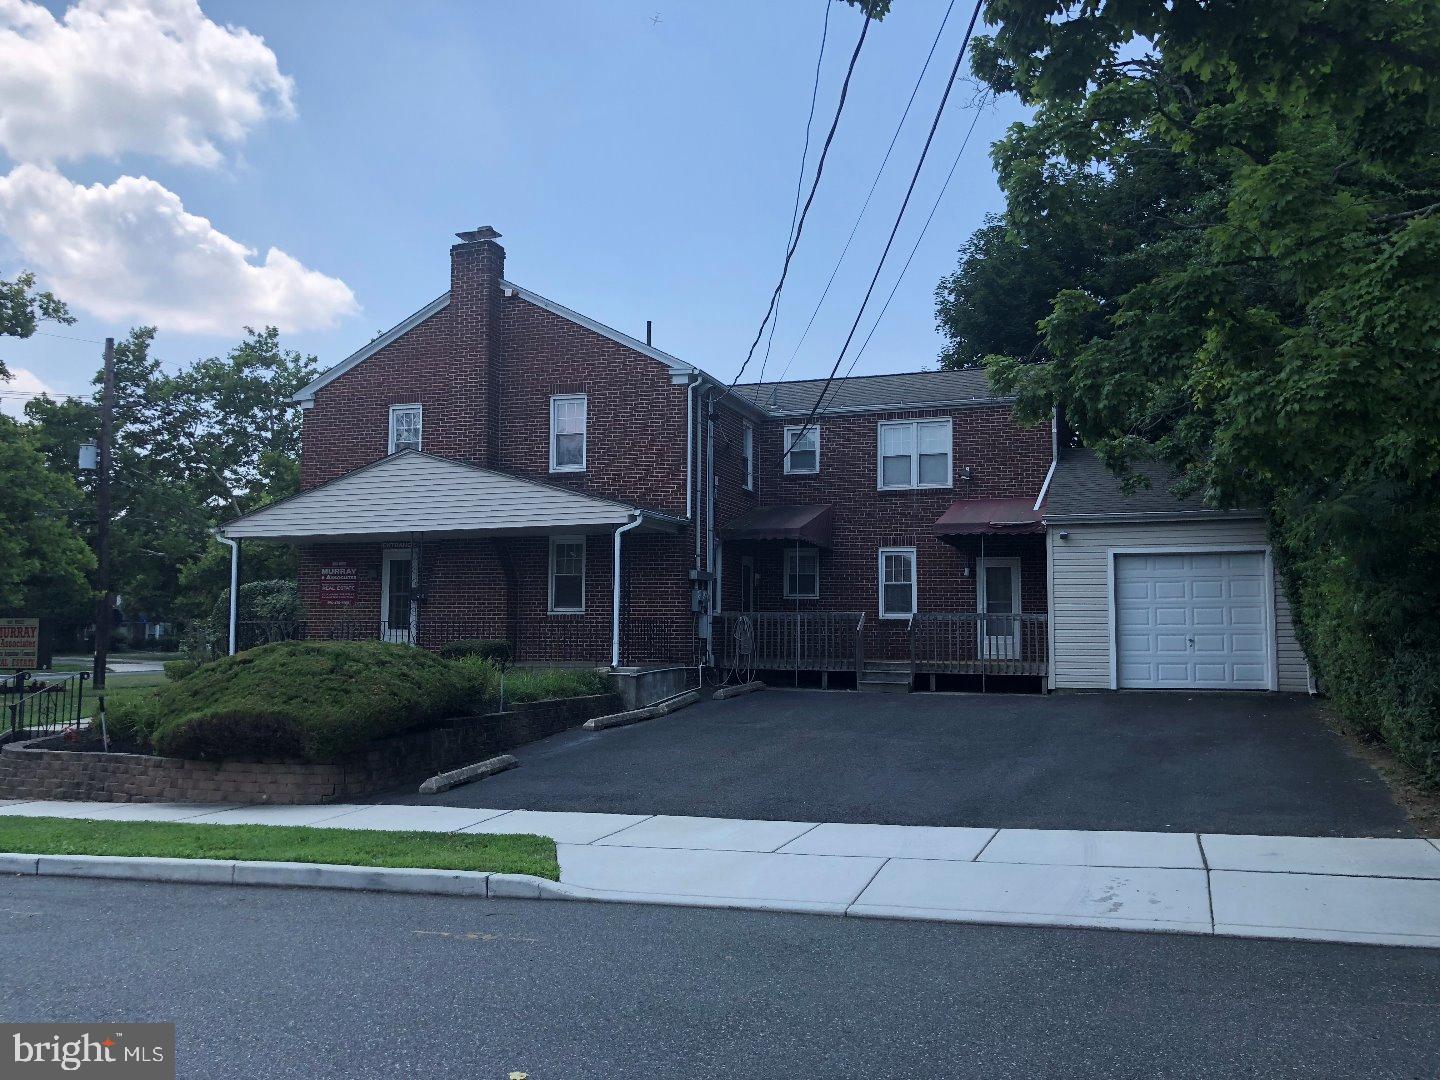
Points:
[(887, 665)]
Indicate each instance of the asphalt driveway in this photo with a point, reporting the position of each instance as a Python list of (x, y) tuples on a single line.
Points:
[(1231, 763)]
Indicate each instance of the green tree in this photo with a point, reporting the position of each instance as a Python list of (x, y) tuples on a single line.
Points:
[(22, 309), (43, 563), (1266, 316)]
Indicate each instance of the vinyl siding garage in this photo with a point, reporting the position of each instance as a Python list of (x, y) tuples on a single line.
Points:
[(1184, 603)]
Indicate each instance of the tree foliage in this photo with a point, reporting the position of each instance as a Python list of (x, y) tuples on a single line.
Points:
[(192, 448), (43, 564), (1233, 214), (22, 309)]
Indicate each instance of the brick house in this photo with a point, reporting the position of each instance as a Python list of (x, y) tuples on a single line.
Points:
[(499, 466)]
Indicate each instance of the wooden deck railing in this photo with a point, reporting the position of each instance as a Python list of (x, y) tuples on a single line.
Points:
[(791, 640), (969, 643), (957, 643)]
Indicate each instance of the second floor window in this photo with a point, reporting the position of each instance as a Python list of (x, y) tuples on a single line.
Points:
[(567, 433), (802, 573), (747, 456), (915, 454), (802, 450), (404, 427)]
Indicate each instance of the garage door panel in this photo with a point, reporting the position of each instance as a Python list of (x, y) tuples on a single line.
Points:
[(1191, 620)]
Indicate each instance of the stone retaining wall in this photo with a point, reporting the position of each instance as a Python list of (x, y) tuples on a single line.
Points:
[(34, 769)]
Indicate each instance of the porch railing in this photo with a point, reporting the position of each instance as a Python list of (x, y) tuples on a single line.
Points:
[(972, 643), (790, 640)]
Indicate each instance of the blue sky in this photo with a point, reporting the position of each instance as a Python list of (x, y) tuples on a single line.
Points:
[(637, 170)]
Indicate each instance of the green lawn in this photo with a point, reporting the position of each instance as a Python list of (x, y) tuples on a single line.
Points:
[(502, 854)]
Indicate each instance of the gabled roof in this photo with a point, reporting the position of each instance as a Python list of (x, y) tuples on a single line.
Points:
[(1083, 489), (411, 492), (677, 367), (874, 393)]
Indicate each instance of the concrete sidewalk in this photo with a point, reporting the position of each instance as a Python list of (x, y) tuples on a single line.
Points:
[(1375, 891)]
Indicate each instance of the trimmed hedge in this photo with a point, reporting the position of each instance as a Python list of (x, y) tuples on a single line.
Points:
[(311, 700), (484, 648)]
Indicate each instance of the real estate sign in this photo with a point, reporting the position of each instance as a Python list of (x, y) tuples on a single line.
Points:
[(338, 581), (19, 644)]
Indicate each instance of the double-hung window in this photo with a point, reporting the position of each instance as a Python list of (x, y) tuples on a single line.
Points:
[(897, 583), (747, 455), (802, 574), (567, 574), (567, 433), (405, 424), (914, 454), (802, 450)]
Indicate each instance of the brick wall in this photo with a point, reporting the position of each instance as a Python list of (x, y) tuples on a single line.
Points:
[(36, 770)]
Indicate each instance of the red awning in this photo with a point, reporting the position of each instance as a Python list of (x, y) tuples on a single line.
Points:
[(808, 524), (976, 517)]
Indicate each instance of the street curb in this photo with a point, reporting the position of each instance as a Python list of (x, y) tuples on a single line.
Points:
[(650, 712), (467, 773), (735, 691)]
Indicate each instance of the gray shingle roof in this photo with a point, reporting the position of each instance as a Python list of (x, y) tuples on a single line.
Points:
[(911, 389), (1083, 487)]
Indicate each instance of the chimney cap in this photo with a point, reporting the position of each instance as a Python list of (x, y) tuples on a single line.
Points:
[(484, 232)]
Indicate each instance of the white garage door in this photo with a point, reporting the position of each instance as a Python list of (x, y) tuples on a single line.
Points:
[(1191, 620)]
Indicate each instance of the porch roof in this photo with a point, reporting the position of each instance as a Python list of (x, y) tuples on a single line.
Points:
[(809, 523), (975, 517), (410, 493)]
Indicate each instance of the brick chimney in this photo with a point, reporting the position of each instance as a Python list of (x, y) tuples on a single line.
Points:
[(477, 265)]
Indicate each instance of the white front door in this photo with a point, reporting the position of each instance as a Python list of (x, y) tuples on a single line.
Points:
[(1196, 619), (999, 601), (397, 613)]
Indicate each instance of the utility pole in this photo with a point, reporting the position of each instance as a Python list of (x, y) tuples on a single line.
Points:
[(105, 602)]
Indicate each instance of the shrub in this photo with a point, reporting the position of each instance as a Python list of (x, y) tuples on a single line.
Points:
[(484, 648), (175, 670), (481, 678), (311, 700), (274, 602)]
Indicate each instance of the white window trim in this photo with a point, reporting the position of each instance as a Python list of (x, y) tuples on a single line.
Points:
[(584, 433), (880, 484), (790, 433), (402, 408), (550, 598), (790, 555), (747, 454), (880, 582)]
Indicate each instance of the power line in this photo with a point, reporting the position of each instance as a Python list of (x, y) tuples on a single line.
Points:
[(810, 199), (916, 247), (804, 157), (879, 266), (869, 194)]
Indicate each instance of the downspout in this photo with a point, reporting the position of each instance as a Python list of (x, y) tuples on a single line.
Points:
[(710, 528), (690, 448), (615, 602), (1054, 457), (234, 546)]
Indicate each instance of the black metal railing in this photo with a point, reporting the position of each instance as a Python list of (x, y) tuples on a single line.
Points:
[(43, 703)]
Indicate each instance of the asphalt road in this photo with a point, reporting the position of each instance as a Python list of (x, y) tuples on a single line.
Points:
[(1228, 763), (292, 983)]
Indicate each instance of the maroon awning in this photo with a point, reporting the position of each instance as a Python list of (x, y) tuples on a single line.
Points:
[(809, 524), (975, 517)]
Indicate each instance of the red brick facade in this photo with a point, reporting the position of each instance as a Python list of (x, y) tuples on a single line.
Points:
[(484, 368)]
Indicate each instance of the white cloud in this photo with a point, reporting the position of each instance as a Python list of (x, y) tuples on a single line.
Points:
[(22, 382), (117, 76), (130, 252)]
